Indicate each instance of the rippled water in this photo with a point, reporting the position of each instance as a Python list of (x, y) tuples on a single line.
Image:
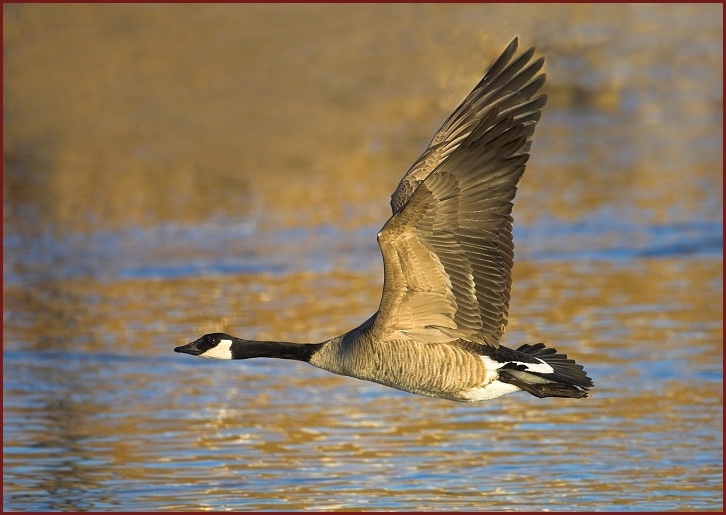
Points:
[(234, 179)]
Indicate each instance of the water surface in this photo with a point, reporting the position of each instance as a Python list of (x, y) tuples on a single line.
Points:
[(177, 170)]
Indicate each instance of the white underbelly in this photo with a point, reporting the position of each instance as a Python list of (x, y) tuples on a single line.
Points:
[(490, 391)]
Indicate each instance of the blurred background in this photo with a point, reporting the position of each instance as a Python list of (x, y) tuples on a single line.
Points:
[(173, 170)]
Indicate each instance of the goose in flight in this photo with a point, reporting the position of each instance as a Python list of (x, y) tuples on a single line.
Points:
[(447, 259)]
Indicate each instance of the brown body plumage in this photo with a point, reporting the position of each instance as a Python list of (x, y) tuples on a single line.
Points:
[(448, 256)]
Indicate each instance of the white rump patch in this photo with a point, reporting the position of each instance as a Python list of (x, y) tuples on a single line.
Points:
[(223, 350), (497, 388), (540, 368)]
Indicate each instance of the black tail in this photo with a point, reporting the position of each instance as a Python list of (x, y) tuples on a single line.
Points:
[(568, 379)]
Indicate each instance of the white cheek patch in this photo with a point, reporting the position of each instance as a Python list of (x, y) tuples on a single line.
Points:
[(223, 350)]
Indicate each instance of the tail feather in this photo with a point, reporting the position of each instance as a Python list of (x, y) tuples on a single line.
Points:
[(566, 370), (567, 379)]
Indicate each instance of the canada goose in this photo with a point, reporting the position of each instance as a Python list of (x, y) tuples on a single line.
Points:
[(447, 256)]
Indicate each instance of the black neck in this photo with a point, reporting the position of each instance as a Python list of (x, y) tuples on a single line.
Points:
[(245, 349)]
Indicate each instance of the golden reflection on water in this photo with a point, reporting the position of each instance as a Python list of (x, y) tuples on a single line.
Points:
[(264, 118), (207, 116)]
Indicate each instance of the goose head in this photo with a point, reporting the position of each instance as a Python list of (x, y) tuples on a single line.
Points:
[(224, 346), (214, 345)]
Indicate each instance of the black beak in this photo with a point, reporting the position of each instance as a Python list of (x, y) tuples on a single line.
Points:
[(189, 348)]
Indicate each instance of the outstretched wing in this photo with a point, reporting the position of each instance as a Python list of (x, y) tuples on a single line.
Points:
[(447, 250), (494, 89)]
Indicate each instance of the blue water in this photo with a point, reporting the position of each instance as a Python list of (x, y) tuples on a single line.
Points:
[(139, 216), (173, 251)]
